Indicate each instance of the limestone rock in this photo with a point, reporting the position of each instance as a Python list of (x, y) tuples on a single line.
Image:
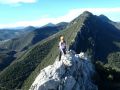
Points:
[(73, 72)]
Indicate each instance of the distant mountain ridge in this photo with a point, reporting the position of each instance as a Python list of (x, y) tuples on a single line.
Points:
[(49, 24), (9, 34), (23, 43), (33, 36), (6, 34)]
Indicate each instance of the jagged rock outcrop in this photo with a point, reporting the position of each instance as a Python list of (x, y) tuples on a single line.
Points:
[(73, 72)]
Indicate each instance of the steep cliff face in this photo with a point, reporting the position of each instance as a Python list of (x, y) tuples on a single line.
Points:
[(73, 72), (97, 37), (100, 39)]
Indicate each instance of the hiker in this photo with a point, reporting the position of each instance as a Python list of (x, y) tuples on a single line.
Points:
[(62, 47)]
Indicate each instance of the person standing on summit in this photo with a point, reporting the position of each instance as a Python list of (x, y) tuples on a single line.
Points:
[(62, 47)]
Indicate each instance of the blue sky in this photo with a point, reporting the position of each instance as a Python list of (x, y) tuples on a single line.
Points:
[(15, 13)]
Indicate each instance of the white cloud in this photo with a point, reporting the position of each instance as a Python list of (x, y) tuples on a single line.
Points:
[(112, 13), (16, 1), (98, 10)]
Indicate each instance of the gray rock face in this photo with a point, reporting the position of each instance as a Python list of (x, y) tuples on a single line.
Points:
[(73, 72)]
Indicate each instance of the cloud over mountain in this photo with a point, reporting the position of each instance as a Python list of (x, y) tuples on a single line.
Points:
[(112, 13)]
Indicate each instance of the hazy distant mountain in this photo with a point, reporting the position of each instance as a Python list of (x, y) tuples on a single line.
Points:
[(29, 28), (32, 37), (9, 34), (88, 33), (14, 33), (59, 24), (49, 24), (64, 24)]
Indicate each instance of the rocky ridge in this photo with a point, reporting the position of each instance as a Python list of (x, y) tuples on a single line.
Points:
[(73, 72)]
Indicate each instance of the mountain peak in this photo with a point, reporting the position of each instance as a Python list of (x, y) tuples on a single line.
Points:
[(49, 25), (29, 28), (86, 13), (81, 18), (62, 23), (72, 71)]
